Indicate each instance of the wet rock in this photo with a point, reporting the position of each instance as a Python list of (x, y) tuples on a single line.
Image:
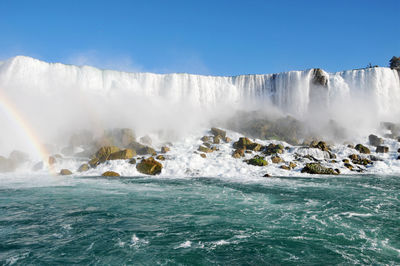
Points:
[(204, 149), (203, 155), (274, 149), (292, 165), (285, 167), (382, 149), (132, 161), (354, 157), (257, 161), (141, 149), (242, 143), (122, 155), (320, 145), (7, 165), (205, 138), (319, 77), (316, 168), (362, 149), (349, 166), (218, 132), (217, 139), (267, 175), (110, 174), (165, 149), (276, 159), (65, 172), (375, 140), (227, 139), (18, 157), (83, 168), (254, 147), (160, 157), (238, 153), (146, 140), (52, 160), (346, 161), (149, 166)]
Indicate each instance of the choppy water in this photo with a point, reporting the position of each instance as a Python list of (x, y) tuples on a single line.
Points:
[(324, 220)]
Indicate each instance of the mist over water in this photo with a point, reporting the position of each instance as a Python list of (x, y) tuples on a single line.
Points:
[(57, 100)]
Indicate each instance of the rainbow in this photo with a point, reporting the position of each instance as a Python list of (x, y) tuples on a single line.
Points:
[(29, 132)]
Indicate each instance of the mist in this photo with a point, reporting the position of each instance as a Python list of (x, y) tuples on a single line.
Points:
[(58, 100)]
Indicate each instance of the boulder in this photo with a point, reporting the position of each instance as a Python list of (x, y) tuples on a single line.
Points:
[(257, 161), (375, 140), (218, 132), (165, 149), (18, 157), (254, 147), (242, 143), (238, 153), (316, 168), (382, 149), (292, 165), (52, 160), (160, 157), (349, 166), (110, 174), (149, 166), (146, 140), (227, 139), (285, 167), (274, 149), (141, 149), (205, 138), (132, 161), (122, 155), (362, 149), (7, 165), (204, 149), (276, 159), (217, 139), (320, 145), (83, 168), (203, 155), (65, 172)]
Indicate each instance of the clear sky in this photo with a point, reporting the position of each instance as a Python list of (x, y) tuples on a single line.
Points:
[(205, 37)]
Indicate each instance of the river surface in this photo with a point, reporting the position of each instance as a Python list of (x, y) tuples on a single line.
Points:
[(166, 221)]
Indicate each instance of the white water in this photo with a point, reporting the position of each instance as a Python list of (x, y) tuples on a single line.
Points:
[(57, 99)]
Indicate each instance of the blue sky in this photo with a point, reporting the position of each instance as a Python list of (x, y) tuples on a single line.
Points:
[(203, 37)]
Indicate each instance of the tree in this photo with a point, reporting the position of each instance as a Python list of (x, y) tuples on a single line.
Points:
[(395, 63)]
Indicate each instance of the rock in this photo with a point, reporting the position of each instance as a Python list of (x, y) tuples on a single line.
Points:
[(257, 161), (375, 140), (254, 147), (349, 166), (227, 139), (320, 145), (238, 153), (346, 161), (375, 158), (362, 149), (141, 149), (274, 149), (132, 161), (146, 140), (65, 172), (217, 139), (354, 157), (205, 138), (52, 160), (204, 149), (18, 157), (203, 155), (36, 167), (398, 150), (83, 168), (149, 167), (110, 174), (242, 143), (165, 149), (292, 165), (7, 165), (267, 175), (285, 167), (276, 159), (382, 149), (206, 144), (218, 132), (331, 155), (160, 157), (116, 137), (350, 146), (316, 168), (319, 77), (104, 152), (122, 155)]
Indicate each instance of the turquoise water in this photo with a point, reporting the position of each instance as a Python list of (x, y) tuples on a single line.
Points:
[(324, 220)]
